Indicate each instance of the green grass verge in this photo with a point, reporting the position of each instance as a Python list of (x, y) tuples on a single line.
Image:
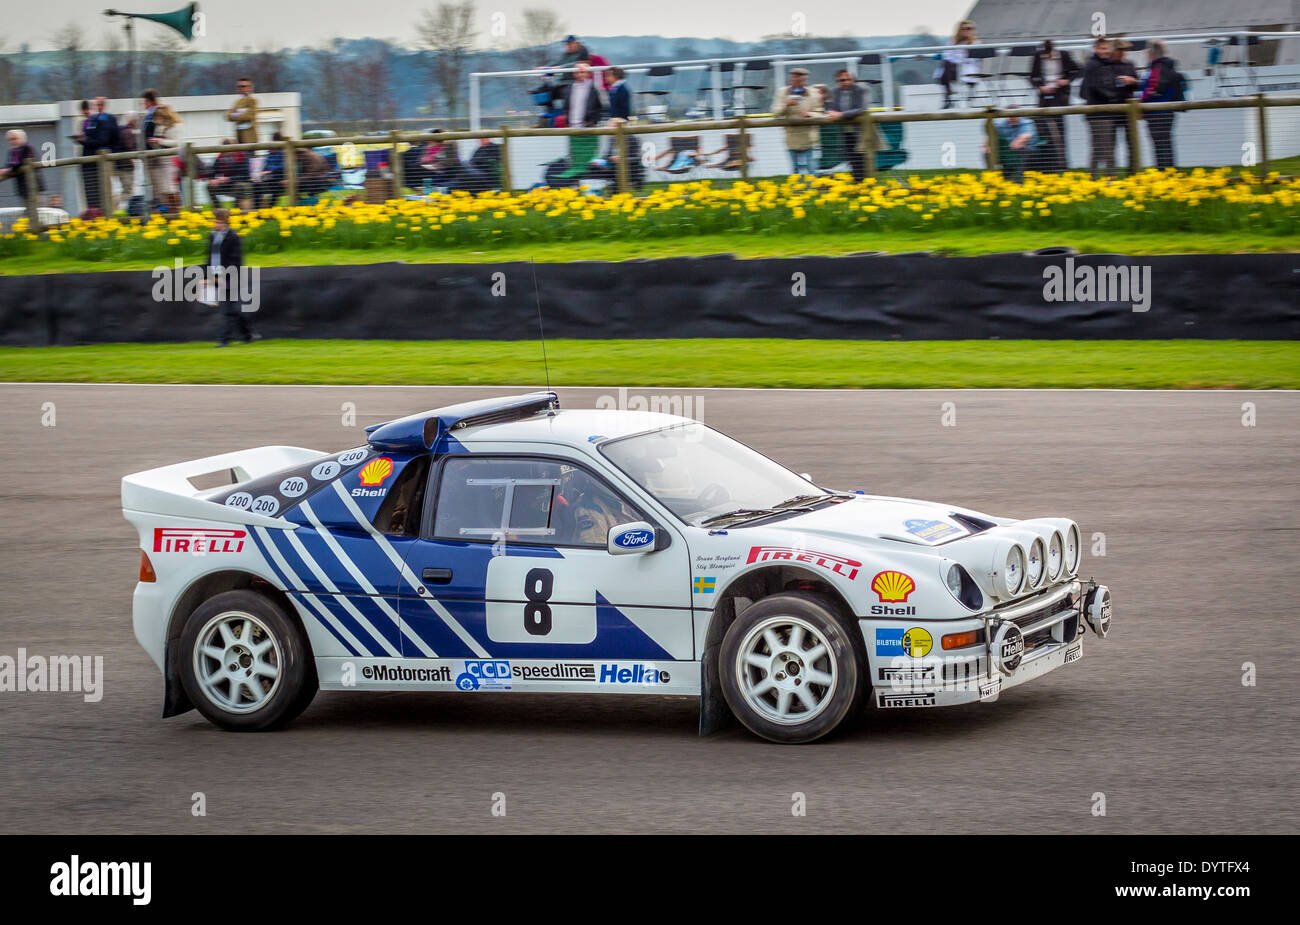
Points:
[(962, 242), (1181, 364)]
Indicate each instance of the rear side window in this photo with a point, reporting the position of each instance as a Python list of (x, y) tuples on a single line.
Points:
[(400, 513)]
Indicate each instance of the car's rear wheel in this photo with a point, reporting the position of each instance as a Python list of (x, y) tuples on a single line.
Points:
[(244, 662), (790, 669)]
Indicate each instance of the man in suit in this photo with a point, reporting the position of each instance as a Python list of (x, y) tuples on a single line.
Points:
[(620, 97), (225, 259), (1052, 72), (582, 103), (845, 104), (1101, 85), (244, 113), (89, 172)]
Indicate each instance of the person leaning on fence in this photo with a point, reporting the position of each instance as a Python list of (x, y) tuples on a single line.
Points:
[(225, 258), (90, 171), (244, 113), (230, 177), (1051, 73), (128, 169), (583, 107), (845, 103), (799, 102), (1162, 84), (1126, 75), (1017, 139), (160, 132), (1100, 86), (19, 153)]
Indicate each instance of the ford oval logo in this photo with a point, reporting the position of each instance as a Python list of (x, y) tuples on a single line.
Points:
[(634, 538)]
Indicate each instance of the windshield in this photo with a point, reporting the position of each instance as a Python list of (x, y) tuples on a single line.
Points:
[(700, 474)]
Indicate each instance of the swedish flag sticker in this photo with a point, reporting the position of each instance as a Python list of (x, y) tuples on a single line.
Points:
[(705, 585)]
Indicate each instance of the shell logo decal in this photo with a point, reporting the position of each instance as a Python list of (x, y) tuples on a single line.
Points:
[(893, 587), (374, 472)]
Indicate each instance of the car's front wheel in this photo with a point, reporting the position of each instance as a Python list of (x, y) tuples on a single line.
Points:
[(244, 662), (789, 668)]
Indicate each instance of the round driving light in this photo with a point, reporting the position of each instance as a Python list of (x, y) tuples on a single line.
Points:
[(1013, 570), (1035, 568), (1055, 556), (1072, 548), (1096, 610), (1008, 648)]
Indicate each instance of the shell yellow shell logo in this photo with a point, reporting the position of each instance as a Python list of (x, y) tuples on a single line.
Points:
[(374, 472), (893, 587)]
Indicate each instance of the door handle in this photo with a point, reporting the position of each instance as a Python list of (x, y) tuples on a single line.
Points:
[(437, 576)]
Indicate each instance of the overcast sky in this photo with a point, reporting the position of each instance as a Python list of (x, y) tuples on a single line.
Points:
[(237, 25)]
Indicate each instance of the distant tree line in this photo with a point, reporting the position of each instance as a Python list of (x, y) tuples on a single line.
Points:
[(359, 81)]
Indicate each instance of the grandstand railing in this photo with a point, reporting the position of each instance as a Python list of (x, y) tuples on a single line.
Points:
[(1241, 39), (869, 124)]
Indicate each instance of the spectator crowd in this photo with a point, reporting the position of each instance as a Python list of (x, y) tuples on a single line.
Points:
[(582, 89)]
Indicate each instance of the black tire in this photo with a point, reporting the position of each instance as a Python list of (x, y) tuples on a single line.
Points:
[(234, 706), (844, 662)]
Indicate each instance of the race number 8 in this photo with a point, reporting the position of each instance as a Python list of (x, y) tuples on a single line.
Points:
[(538, 584)]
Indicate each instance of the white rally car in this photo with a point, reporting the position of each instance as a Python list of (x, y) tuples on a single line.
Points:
[(506, 545)]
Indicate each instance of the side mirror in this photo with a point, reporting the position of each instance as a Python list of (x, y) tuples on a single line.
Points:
[(629, 539), (806, 477)]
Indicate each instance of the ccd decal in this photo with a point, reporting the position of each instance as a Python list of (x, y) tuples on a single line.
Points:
[(487, 675)]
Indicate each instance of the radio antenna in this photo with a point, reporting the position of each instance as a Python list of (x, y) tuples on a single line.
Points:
[(537, 294)]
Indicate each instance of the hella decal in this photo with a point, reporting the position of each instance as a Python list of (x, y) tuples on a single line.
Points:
[(632, 674), (837, 564), (199, 542)]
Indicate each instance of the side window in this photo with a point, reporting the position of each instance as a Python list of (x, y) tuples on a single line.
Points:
[(399, 514), (526, 501)]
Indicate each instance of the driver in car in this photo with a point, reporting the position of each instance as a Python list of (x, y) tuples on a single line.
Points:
[(594, 510)]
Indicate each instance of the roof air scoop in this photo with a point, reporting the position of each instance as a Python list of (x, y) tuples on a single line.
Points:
[(420, 432)]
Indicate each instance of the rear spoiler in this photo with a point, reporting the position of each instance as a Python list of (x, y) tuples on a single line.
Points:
[(167, 490)]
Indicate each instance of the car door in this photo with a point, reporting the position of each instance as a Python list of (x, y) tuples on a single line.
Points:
[(514, 560)]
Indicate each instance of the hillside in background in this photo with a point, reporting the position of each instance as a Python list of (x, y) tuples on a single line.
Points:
[(372, 81)]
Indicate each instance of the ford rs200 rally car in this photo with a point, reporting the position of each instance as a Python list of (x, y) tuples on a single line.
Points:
[(507, 545)]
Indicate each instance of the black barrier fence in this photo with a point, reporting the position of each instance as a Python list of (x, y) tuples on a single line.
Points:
[(886, 297)]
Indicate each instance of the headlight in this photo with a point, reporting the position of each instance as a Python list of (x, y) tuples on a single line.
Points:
[(963, 587), (1072, 548), (1055, 556), (1035, 567), (1013, 570)]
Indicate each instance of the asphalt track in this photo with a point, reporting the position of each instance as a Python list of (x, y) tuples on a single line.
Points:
[(1199, 516)]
